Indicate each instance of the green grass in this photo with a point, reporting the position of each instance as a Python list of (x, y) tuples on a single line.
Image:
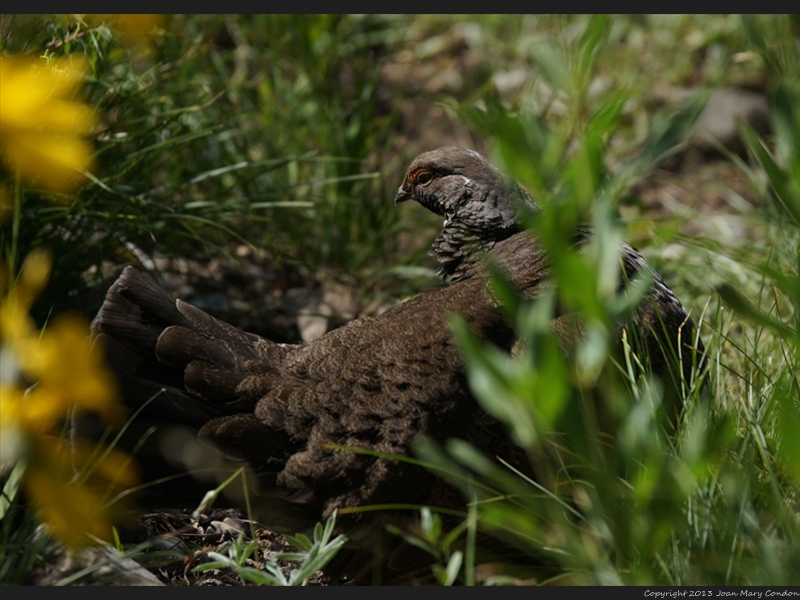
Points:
[(231, 130), (631, 502)]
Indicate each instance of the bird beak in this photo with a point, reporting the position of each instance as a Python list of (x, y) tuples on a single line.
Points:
[(402, 195)]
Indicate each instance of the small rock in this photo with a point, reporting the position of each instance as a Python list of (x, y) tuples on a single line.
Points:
[(719, 119), (230, 525)]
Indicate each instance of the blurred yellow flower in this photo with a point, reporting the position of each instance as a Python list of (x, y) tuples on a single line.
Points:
[(68, 373), (42, 128), (73, 508), (15, 323), (134, 28), (68, 484)]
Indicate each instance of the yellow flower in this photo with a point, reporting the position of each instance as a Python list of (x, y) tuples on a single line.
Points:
[(13, 441), (68, 484), (42, 128), (134, 28), (69, 374), (137, 27), (70, 508), (15, 323)]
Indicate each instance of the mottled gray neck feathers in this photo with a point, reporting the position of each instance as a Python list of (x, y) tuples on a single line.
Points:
[(472, 228)]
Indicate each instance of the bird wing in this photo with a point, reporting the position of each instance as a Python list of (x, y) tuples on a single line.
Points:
[(368, 387)]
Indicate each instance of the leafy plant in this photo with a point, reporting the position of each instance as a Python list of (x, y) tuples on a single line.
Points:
[(312, 555), (257, 143), (616, 497), (440, 545)]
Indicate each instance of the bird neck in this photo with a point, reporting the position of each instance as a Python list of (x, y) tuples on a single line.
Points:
[(460, 249)]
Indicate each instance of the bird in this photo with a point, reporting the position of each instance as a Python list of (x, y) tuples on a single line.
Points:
[(483, 207), (321, 424), (372, 384), (309, 419)]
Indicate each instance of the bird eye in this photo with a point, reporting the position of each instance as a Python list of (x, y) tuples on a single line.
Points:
[(424, 177)]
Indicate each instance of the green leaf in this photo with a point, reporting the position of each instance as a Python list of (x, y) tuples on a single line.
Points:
[(674, 131), (11, 487), (785, 193), (300, 541), (447, 576), (784, 112), (554, 69), (596, 31), (789, 427), (738, 303)]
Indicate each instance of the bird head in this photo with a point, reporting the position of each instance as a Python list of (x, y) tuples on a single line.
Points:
[(463, 187)]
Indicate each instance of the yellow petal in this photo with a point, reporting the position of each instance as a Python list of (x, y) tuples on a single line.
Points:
[(42, 411), (40, 123), (12, 436), (137, 26), (15, 323), (134, 28), (68, 510), (114, 468), (68, 372), (35, 271), (49, 160), (28, 86)]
